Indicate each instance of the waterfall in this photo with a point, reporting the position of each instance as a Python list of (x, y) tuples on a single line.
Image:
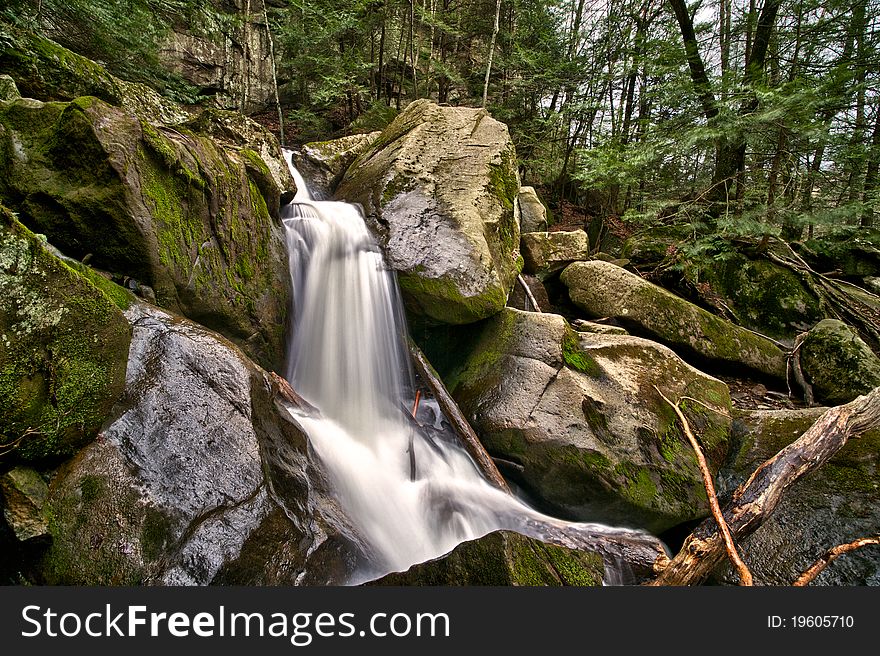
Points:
[(411, 491)]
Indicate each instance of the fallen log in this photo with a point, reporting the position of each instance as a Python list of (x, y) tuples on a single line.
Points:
[(758, 497), (456, 418)]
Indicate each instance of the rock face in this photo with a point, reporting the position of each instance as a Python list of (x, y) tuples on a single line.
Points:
[(578, 415), (439, 187), (505, 558), (532, 213), (24, 492), (196, 221), (197, 462), (837, 503), (63, 348), (225, 51), (8, 89), (324, 163), (602, 289), (243, 133), (546, 253), (838, 363)]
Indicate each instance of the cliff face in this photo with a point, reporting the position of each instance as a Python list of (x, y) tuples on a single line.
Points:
[(225, 51)]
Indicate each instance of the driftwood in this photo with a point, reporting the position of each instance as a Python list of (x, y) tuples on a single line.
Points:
[(744, 574), (456, 418), (757, 498), (830, 556)]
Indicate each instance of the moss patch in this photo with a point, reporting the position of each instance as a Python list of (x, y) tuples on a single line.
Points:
[(63, 348)]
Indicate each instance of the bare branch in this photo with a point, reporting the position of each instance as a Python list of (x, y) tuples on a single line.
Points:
[(744, 574), (830, 556)]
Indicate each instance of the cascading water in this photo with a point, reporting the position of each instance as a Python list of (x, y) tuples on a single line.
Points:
[(411, 494)]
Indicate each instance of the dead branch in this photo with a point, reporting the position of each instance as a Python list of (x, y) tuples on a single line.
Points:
[(830, 556), (456, 418), (525, 286), (756, 499), (794, 362), (745, 575)]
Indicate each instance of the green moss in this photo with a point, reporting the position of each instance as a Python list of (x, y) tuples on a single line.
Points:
[(121, 297), (397, 185), (47, 71), (91, 487), (63, 348), (441, 299), (639, 487), (577, 358), (156, 533), (574, 568)]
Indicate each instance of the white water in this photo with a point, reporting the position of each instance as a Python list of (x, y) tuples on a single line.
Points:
[(412, 495)]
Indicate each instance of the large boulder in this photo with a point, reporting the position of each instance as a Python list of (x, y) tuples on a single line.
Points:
[(763, 296), (324, 163), (547, 253), (838, 363), (195, 220), (63, 349), (532, 212), (248, 137), (835, 504), (602, 289), (440, 188), (853, 252), (579, 419), (505, 558), (199, 462)]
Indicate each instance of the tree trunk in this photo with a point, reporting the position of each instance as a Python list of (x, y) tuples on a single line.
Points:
[(871, 173), (491, 52)]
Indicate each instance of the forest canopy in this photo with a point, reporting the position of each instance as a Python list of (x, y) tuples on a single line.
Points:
[(750, 117)]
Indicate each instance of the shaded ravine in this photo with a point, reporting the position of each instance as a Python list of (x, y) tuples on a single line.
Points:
[(412, 493)]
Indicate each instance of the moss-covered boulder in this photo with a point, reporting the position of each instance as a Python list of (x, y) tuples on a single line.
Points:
[(853, 252), (198, 465), (47, 71), (580, 420), (324, 163), (193, 218), (837, 503), (602, 289), (63, 348), (240, 132), (653, 245), (23, 494), (838, 363), (762, 295), (439, 187), (532, 212), (505, 558), (547, 253)]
